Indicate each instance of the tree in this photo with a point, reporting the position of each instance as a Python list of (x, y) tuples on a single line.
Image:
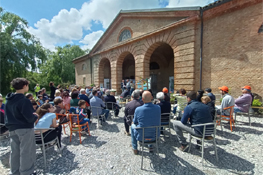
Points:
[(59, 67), (18, 49)]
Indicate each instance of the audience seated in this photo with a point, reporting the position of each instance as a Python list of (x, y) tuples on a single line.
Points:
[(34, 104), (130, 109), (58, 106), (45, 96), (166, 95), (1, 102), (47, 119), (144, 116), (88, 90), (29, 96), (210, 94), (74, 98), (181, 103), (227, 101), (111, 98), (243, 102), (125, 93), (83, 116), (164, 105), (40, 99), (207, 101), (97, 102), (58, 94), (84, 97), (194, 113), (2, 105), (66, 98)]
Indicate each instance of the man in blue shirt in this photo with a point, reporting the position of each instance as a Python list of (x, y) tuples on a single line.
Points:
[(83, 96), (194, 113), (210, 94), (145, 116), (98, 103)]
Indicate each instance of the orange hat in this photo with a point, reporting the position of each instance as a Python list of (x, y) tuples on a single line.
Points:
[(165, 90), (224, 88), (247, 87)]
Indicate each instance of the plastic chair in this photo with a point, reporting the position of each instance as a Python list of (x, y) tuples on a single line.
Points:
[(229, 118), (165, 121), (45, 146), (207, 131), (244, 113), (75, 125), (152, 137)]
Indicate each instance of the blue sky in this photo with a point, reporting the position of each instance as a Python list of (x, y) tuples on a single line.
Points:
[(81, 22)]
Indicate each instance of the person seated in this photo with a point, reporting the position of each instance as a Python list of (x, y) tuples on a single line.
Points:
[(47, 119), (194, 113), (125, 93), (83, 116), (2, 105), (66, 98), (181, 103), (58, 94), (166, 95), (74, 98), (227, 101), (98, 104), (88, 90), (243, 102), (111, 99), (165, 108), (130, 109), (207, 101), (3, 129), (45, 96), (58, 106), (40, 99), (1, 102), (34, 104), (145, 116), (84, 97), (29, 96), (209, 93)]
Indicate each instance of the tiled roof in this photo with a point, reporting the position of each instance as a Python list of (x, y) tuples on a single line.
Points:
[(214, 4)]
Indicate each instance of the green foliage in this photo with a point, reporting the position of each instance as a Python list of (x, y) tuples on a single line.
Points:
[(172, 98), (256, 102), (18, 49), (59, 67)]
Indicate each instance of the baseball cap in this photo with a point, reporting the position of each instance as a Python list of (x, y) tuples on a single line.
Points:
[(224, 88), (165, 90), (246, 87)]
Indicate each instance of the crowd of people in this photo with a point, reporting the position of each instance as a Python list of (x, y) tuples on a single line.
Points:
[(22, 115)]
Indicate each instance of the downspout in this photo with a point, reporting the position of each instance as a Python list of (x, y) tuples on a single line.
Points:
[(201, 46), (91, 78)]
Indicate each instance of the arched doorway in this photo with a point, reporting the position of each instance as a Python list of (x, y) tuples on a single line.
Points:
[(105, 73), (162, 68), (125, 69)]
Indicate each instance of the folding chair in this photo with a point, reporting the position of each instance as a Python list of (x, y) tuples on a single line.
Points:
[(44, 146), (150, 135), (64, 125), (75, 125), (207, 131), (95, 113), (165, 122), (244, 113), (111, 107)]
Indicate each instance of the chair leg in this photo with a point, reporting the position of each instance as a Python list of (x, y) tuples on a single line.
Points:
[(230, 124), (235, 117), (88, 129), (64, 128), (215, 148), (70, 134), (202, 150), (80, 136), (142, 157), (190, 143), (44, 155), (249, 119)]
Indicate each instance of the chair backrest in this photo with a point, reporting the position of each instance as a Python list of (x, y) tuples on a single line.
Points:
[(95, 111), (39, 134), (207, 128), (110, 105), (165, 117), (74, 119), (231, 110), (150, 133)]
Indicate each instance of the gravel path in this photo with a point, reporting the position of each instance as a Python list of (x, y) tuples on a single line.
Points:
[(108, 151)]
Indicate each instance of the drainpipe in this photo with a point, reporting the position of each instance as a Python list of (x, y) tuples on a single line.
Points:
[(90, 63), (201, 46)]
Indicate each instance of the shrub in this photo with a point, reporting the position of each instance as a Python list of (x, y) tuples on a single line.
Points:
[(256, 102)]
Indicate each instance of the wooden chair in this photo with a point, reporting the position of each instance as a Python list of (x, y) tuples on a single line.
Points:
[(75, 125), (229, 118), (64, 125), (67, 107)]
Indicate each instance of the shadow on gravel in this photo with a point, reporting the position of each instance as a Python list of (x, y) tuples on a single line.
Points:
[(56, 163), (228, 135), (110, 127), (5, 160), (226, 160), (253, 124), (248, 130), (87, 141)]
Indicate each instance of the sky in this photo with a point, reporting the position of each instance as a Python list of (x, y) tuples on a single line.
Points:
[(80, 22)]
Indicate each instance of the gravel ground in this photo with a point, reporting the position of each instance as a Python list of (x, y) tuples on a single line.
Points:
[(108, 151)]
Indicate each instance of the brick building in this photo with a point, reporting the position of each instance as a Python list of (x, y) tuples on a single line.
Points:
[(223, 39)]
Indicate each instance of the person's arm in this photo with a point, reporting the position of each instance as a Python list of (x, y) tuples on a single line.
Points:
[(135, 120), (82, 113), (54, 123), (102, 104), (187, 114), (242, 100), (27, 111)]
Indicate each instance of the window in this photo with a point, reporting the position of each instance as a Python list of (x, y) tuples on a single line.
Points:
[(125, 34), (84, 67), (84, 80), (260, 30), (154, 65)]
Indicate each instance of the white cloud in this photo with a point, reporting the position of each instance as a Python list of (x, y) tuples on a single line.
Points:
[(188, 3), (90, 39)]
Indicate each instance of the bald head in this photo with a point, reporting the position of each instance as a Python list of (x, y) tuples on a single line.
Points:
[(146, 97)]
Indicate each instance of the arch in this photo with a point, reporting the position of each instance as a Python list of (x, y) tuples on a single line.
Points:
[(126, 55), (124, 34), (104, 71), (162, 54)]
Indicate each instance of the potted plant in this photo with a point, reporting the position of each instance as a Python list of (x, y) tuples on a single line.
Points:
[(256, 103)]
